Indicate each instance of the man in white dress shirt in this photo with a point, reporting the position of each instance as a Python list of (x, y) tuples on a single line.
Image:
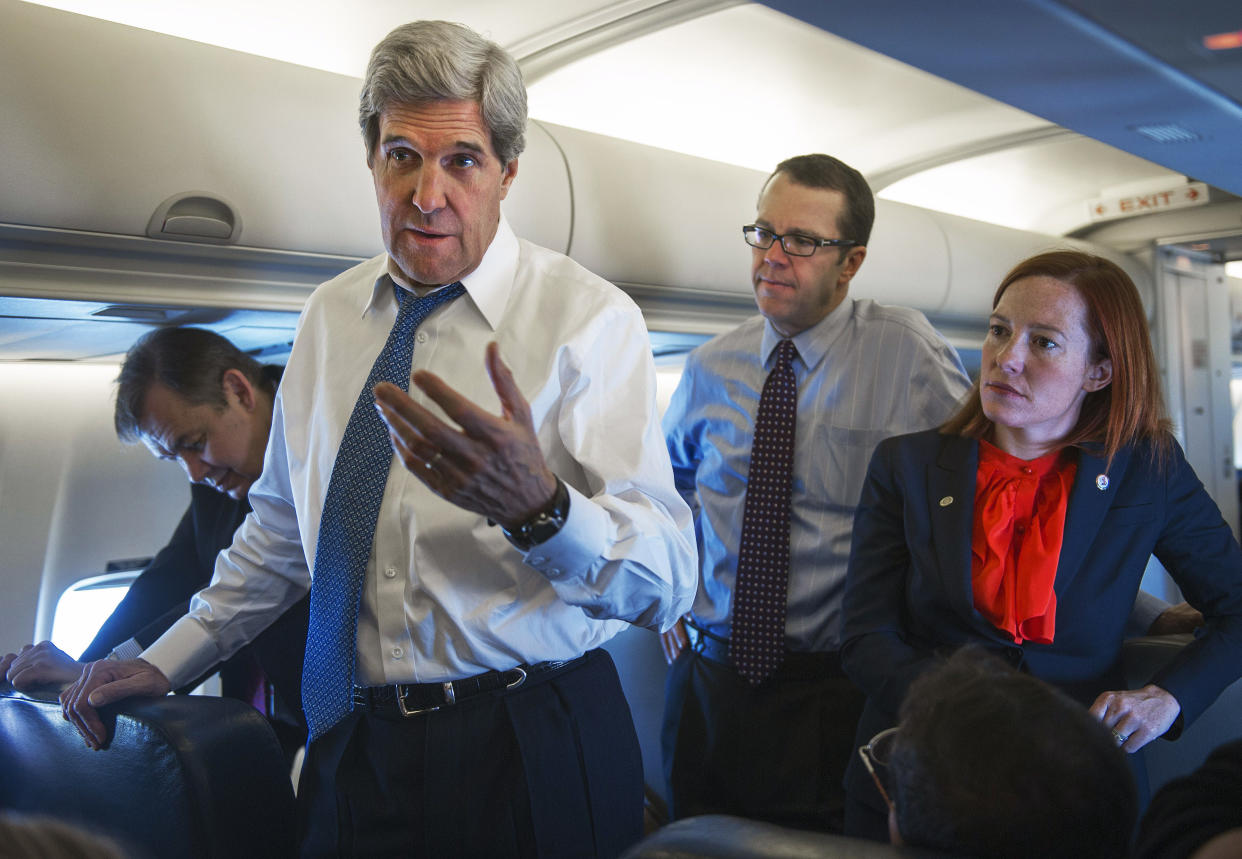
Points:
[(514, 534)]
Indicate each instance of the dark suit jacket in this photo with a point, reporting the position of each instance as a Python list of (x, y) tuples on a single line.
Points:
[(162, 592), (1191, 810), (161, 595), (908, 594)]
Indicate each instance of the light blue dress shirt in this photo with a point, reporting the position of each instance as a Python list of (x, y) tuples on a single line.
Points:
[(864, 372)]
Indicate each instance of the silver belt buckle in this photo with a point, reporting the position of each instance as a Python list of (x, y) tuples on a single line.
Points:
[(407, 712)]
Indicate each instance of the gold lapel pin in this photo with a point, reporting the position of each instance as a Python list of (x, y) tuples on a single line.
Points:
[(1101, 482), (946, 501)]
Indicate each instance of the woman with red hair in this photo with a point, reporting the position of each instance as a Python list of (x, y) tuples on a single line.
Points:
[(1026, 522)]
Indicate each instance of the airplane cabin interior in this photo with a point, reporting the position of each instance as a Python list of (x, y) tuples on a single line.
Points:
[(199, 164)]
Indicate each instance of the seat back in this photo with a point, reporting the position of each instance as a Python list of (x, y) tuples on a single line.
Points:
[(1218, 724), (188, 776), (719, 836)]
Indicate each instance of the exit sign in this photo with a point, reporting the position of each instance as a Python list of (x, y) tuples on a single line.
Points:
[(1191, 194)]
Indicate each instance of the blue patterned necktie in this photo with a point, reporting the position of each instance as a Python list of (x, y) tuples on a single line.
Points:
[(757, 637), (347, 527)]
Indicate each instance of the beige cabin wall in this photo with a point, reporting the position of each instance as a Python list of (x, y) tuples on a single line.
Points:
[(72, 497)]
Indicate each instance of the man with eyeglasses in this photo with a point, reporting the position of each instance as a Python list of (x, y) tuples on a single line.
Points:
[(991, 762), (749, 731)]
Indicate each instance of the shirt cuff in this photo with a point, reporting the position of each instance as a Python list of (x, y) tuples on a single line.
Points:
[(184, 652), (579, 543), (1147, 607), (130, 649)]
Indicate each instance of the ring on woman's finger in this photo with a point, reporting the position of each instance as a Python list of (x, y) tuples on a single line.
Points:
[(431, 463), (1120, 737)]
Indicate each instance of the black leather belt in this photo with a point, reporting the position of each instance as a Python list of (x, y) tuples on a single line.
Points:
[(412, 699), (796, 664), (707, 645)]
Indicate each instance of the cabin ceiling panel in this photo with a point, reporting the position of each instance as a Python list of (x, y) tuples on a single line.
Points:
[(742, 84), (337, 35), (751, 87), (1175, 33), (778, 87), (1044, 187), (1072, 69)]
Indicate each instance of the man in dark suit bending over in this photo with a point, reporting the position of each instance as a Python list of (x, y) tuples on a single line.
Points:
[(192, 397)]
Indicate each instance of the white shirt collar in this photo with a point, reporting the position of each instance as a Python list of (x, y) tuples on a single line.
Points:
[(488, 286)]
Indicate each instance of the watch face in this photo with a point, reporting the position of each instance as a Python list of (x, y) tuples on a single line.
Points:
[(544, 525)]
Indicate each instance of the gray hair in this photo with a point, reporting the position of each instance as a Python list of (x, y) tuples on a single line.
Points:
[(439, 61)]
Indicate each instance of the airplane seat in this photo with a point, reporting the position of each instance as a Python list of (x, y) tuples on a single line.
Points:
[(1218, 724), (183, 775), (719, 836)]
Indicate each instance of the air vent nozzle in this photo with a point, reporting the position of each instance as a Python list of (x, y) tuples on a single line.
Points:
[(1167, 132)]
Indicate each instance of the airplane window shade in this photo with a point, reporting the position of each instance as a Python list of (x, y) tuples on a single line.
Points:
[(84, 607)]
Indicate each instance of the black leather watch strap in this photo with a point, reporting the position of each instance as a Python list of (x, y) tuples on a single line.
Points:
[(544, 525)]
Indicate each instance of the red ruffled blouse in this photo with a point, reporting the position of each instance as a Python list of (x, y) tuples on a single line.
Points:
[(1016, 544)]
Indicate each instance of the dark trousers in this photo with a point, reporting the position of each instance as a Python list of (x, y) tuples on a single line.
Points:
[(550, 769), (776, 752)]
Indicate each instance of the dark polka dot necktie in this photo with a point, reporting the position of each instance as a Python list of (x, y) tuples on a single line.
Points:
[(347, 524), (757, 643)]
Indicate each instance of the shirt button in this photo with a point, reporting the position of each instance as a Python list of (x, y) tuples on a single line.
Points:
[(390, 573), (396, 652), (421, 337), (1026, 469)]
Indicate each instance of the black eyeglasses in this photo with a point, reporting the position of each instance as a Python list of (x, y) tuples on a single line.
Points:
[(795, 245), (876, 756)]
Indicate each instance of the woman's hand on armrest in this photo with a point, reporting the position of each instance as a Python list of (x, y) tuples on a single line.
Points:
[(1136, 717)]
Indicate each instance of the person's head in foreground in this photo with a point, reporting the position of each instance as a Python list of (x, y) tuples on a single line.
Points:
[(34, 837), (989, 762)]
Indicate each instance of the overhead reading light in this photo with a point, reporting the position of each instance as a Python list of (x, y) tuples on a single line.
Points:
[(1167, 132), (195, 216), (1223, 41)]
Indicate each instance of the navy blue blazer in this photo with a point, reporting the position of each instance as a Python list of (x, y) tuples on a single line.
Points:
[(161, 594), (908, 592)]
